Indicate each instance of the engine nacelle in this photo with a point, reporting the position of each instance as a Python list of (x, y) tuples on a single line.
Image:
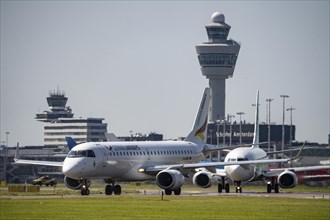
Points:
[(76, 184), (170, 179), (202, 179), (287, 179)]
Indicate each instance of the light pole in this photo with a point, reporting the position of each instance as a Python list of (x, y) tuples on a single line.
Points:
[(230, 127), (240, 126), (218, 132), (269, 101), (224, 132), (291, 109), (283, 97), (211, 131), (218, 136)]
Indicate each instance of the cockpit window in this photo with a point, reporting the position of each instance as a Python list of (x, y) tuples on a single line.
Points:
[(82, 153), (90, 153)]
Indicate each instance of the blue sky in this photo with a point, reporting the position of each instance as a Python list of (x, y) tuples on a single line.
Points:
[(135, 64)]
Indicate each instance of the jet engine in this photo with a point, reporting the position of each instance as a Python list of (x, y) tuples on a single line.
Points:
[(76, 184), (287, 179), (202, 179), (170, 179)]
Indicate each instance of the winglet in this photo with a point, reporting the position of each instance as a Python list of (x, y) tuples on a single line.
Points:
[(256, 123), (298, 154), (198, 133)]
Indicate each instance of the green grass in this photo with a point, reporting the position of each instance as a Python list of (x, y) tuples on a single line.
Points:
[(134, 189), (172, 207)]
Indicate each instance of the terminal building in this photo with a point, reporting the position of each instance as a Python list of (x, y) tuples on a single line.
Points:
[(236, 133), (60, 123)]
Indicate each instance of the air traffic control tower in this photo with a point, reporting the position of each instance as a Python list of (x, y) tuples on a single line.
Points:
[(217, 59)]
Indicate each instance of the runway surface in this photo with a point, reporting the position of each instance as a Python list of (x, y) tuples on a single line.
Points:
[(150, 192)]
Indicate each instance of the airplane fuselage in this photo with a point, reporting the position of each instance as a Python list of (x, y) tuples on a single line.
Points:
[(125, 161), (247, 172)]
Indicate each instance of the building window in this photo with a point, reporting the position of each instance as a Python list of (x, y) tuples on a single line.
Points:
[(217, 33), (217, 59)]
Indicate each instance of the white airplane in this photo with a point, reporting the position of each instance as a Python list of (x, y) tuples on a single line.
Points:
[(166, 162), (134, 161), (247, 171)]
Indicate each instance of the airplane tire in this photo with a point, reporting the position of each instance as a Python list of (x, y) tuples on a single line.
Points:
[(85, 192), (227, 188), (168, 192), (177, 191), (219, 188), (276, 188), (108, 190), (269, 188), (117, 189)]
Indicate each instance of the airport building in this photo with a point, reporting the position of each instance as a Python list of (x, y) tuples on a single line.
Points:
[(236, 133), (217, 59), (59, 123)]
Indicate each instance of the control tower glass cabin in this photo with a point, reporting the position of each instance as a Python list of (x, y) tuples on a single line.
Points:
[(57, 107)]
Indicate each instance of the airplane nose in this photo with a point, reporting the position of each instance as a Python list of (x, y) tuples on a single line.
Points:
[(234, 172), (71, 169)]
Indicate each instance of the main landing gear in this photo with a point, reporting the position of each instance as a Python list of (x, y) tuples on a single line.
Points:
[(115, 189), (223, 185), (176, 191), (272, 186)]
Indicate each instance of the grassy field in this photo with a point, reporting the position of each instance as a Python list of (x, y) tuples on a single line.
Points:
[(172, 207), (61, 203)]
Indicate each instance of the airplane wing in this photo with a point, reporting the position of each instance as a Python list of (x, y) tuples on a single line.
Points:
[(17, 160), (39, 162), (276, 172), (289, 150), (214, 148), (212, 165)]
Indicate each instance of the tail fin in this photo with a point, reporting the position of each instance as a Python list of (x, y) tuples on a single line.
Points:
[(71, 142), (256, 123), (198, 133)]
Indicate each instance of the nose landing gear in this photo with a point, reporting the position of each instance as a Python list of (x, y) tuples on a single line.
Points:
[(238, 186), (84, 189), (85, 192)]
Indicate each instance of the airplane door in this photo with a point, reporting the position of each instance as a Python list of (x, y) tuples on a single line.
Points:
[(103, 151), (148, 154)]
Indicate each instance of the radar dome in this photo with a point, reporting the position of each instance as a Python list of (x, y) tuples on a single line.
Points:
[(217, 17)]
